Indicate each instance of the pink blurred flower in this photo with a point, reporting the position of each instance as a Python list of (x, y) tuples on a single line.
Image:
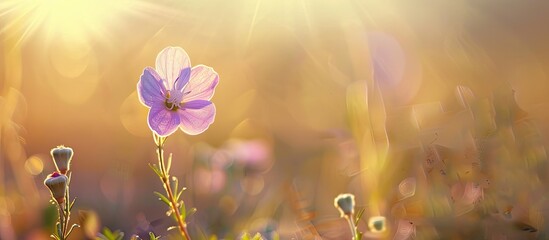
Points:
[(254, 153), (178, 95), (209, 181)]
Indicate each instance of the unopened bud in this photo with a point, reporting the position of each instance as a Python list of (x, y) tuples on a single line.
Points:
[(345, 203), (57, 183), (377, 224), (62, 157)]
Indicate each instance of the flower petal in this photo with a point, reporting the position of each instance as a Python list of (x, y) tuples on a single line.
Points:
[(201, 84), (173, 64), (163, 121), (196, 104), (182, 79), (150, 88), (196, 116)]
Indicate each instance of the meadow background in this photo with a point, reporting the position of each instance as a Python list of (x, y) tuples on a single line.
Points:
[(301, 84)]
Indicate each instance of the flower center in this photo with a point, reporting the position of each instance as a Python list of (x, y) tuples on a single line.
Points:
[(171, 106), (172, 101)]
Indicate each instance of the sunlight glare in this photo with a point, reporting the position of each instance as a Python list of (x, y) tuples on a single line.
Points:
[(74, 20)]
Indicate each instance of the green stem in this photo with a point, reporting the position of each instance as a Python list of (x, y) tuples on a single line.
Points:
[(352, 226), (61, 221), (67, 211), (166, 182), (67, 216)]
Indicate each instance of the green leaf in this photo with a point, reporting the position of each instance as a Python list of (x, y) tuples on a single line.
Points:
[(72, 228), (109, 235), (172, 228), (359, 235), (152, 236), (169, 165), (155, 169), (183, 211), (359, 216), (176, 186), (180, 192), (191, 212), (163, 198), (72, 204)]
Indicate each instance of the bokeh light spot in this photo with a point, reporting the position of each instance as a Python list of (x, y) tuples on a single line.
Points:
[(227, 204), (252, 185), (70, 59), (133, 116), (34, 165)]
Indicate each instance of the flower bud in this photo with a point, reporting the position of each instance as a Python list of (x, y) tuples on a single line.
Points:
[(377, 224), (345, 203), (62, 157), (57, 183)]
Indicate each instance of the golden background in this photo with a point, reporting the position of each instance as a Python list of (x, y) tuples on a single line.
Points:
[(307, 79)]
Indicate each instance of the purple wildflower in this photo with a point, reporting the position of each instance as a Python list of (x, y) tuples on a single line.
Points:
[(178, 95)]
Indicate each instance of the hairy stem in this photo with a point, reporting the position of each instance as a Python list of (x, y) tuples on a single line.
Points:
[(66, 210), (61, 220), (166, 182)]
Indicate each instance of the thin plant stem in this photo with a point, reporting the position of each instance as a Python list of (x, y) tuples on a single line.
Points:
[(67, 219), (64, 214), (61, 220), (352, 226), (67, 208), (166, 182)]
